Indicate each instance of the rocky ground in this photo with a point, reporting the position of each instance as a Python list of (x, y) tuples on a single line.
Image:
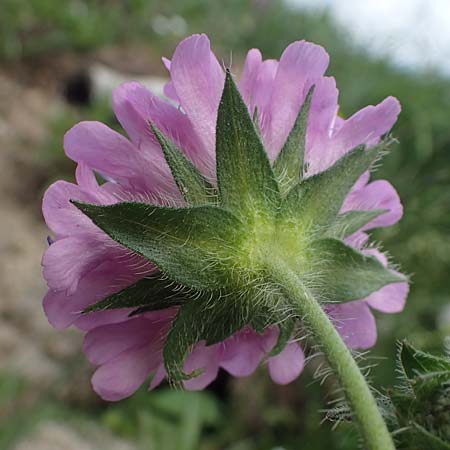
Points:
[(27, 344), (48, 363)]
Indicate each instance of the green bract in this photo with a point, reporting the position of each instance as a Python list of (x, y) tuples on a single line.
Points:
[(194, 188), (215, 253), (289, 166)]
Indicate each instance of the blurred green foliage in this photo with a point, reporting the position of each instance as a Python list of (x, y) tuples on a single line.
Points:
[(168, 419), (45, 26), (418, 167)]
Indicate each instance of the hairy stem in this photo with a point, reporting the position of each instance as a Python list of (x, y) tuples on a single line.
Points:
[(368, 417)]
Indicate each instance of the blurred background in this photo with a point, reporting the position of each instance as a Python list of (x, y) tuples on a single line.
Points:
[(59, 60)]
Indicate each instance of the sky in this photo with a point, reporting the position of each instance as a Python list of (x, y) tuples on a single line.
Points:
[(413, 33)]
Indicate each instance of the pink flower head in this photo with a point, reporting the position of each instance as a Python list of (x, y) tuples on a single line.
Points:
[(84, 265)]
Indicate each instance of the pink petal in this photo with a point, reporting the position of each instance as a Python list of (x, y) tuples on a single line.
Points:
[(379, 255), (287, 366), (198, 81), (390, 298), (379, 194), (355, 323), (87, 322), (300, 65), (63, 218), (362, 181), (122, 376), (365, 127), (101, 195), (323, 109), (205, 358), (158, 377), (64, 309), (167, 63), (67, 260), (321, 121), (242, 352), (55, 308), (170, 93), (111, 154), (261, 93), (86, 178), (135, 106), (247, 84), (169, 89), (105, 343), (132, 105), (357, 240)]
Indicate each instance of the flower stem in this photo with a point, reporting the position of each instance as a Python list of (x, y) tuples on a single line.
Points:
[(368, 417)]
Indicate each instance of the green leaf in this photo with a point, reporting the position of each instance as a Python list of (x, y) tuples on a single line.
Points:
[(317, 200), (339, 273), (151, 293), (212, 319), (244, 176), (194, 187), (422, 400), (274, 311), (286, 328), (256, 121), (424, 440), (289, 165), (351, 221), (193, 246), (425, 373), (196, 321), (416, 362)]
